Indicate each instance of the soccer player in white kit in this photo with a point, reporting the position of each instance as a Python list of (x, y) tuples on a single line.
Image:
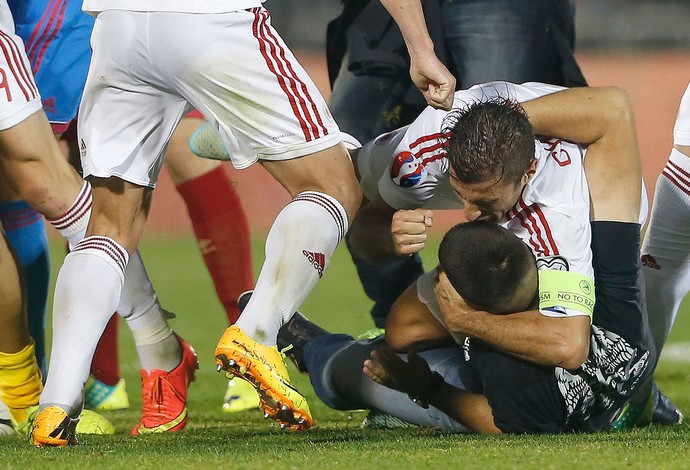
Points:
[(154, 60), (665, 263), (33, 167)]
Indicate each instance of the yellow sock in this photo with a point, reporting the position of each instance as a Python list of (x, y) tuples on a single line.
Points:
[(20, 381)]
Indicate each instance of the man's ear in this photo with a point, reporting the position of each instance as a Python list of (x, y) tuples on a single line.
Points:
[(530, 171)]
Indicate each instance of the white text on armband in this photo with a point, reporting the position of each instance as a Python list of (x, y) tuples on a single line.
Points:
[(566, 289)]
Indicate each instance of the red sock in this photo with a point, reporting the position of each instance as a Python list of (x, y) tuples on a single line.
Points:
[(221, 227), (105, 365)]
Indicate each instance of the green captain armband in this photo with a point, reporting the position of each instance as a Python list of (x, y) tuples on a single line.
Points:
[(567, 290)]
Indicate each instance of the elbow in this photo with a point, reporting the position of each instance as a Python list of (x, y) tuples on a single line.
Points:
[(574, 352), (618, 105)]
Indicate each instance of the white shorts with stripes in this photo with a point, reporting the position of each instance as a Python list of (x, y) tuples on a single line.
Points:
[(19, 97), (149, 69)]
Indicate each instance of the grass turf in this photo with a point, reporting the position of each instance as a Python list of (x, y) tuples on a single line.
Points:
[(214, 439)]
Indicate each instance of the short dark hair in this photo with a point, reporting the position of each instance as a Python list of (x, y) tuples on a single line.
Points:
[(489, 140), (486, 264)]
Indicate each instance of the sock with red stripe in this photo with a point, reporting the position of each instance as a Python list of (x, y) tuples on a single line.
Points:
[(221, 228), (73, 223), (105, 366), (298, 250), (87, 292), (26, 233), (665, 261)]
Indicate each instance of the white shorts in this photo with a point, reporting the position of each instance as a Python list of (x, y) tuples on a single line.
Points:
[(149, 69), (19, 96)]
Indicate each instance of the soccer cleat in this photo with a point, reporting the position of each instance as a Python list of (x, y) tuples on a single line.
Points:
[(379, 420), (164, 395), (53, 428), (205, 142), (240, 396), (657, 409), (91, 422), (102, 397), (264, 368), (665, 412)]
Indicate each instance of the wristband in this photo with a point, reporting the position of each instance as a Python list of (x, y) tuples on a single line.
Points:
[(424, 396)]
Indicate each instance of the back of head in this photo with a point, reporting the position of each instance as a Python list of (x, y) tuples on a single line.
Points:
[(489, 140), (491, 268)]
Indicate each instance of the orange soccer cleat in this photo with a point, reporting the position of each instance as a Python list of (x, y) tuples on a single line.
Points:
[(52, 427), (164, 395), (264, 368)]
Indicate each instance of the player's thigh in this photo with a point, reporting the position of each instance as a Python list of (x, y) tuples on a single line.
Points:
[(249, 85)]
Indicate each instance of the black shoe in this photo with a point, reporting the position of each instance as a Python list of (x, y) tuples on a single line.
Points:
[(665, 412), (293, 335)]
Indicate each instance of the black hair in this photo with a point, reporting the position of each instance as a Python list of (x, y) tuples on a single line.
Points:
[(486, 265)]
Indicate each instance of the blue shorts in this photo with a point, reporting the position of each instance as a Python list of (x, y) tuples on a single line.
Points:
[(56, 35)]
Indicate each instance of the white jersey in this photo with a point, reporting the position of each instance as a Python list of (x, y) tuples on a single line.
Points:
[(178, 6), (19, 96)]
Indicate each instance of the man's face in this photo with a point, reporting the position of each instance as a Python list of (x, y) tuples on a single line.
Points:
[(488, 200)]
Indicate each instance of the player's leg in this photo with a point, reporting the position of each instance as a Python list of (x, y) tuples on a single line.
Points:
[(219, 221), (222, 231), (20, 378), (513, 41), (288, 128), (26, 234), (665, 266)]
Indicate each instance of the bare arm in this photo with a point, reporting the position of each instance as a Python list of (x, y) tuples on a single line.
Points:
[(410, 324), (432, 78), (530, 336), (602, 119), (416, 379)]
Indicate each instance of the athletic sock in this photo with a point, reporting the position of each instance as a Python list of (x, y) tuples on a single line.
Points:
[(20, 381), (26, 233), (221, 228), (105, 366), (87, 292), (73, 223), (298, 250), (156, 344), (665, 263)]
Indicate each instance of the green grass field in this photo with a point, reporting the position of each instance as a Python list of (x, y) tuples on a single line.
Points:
[(213, 439)]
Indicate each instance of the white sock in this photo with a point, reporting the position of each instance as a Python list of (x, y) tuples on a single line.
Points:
[(298, 250), (86, 294), (666, 248), (157, 345), (681, 130), (73, 223)]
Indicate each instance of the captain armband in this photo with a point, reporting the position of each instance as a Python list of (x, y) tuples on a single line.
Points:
[(566, 289)]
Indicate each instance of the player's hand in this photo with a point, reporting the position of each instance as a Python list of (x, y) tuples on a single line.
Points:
[(389, 369), (408, 229), (434, 80), (453, 307)]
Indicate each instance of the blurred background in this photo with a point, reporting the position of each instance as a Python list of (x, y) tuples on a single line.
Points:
[(640, 45)]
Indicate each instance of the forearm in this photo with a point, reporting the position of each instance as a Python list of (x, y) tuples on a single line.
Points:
[(530, 336), (409, 17)]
